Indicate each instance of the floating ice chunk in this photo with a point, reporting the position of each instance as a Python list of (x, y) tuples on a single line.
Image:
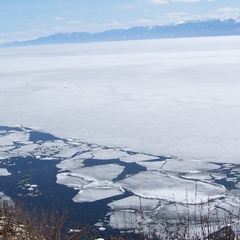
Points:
[(70, 180), (15, 136), (4, 172), (236, 169), (66, 152), (6, 148), (102, 229), (135, 203), (74, 230), (56, 148), (102, 172), (137, 158), (93, 194), (237, 185), (152, 165), (231, 179), (6, 140), (24, 150), (85, 155), (160, 186), (180, 165), (70, 140), (131, 220), (49, 158), (218, 176), (187, 210), (108, 154), (70, 164), (197, 175)]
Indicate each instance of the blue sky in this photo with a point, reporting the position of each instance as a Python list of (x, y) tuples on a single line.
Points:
[(27, 19)]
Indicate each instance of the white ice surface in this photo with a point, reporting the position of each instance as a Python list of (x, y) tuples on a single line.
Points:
[(96, 191), (4, 172), (179, 165), (162, 186), (94, 182), (137, 158), (167, 97), (182, 165), (108, 154), (71, 180), (11, 137), (135, 203), (104, 172), (70, 163)]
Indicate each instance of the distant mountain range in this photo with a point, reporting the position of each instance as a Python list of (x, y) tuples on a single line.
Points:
[(214, 27)]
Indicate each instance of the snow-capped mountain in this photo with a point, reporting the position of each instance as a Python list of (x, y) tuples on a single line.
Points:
[(214, 27)]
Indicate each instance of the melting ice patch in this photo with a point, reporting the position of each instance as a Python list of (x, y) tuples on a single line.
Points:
[(4, 172), (156, 185), (96, 191), (135, 203), (99, 173), (108, 154)]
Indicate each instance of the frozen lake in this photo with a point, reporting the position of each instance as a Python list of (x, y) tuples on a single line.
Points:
[(155, 118), (177, 97)]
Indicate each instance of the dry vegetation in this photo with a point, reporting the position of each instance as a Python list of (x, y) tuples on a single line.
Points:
[(18, 224)]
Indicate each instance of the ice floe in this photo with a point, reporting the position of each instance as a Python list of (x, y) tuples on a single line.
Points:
[(108, 154), (135, 203), (96, 191), (162, 186), (4, 172)]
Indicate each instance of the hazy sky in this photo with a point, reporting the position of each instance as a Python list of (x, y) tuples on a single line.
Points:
[(26, 19)]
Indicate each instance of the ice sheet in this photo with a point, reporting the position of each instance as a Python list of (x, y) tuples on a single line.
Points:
[(71, 180), (137, 158), (108, 154), (177, 97)]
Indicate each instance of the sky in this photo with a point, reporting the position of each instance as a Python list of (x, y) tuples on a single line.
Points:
[(29, 19)]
